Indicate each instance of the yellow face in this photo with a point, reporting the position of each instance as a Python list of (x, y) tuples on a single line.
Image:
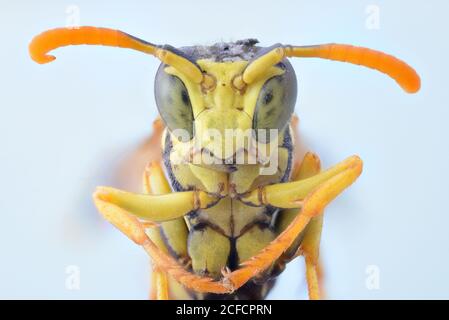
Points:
[(221, 119)]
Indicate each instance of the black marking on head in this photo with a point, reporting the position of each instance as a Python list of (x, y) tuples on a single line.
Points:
[(175, 184), (224, 51), (264, 51), (181, 53), (287, 143), (141, 40)]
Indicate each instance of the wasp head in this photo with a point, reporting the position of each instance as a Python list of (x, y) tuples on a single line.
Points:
[(224, 117)]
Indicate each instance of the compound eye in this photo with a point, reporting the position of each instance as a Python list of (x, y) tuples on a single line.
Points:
[(274, 106), (173, 103)]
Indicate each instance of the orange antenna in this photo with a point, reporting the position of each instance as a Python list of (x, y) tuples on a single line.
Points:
[(397, 69), (55, 38)]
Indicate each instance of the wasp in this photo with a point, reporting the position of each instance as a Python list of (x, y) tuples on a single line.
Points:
[(221, 218)]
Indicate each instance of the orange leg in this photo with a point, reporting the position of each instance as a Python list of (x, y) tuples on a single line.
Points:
[(310, 244), (338, 178), (160, 284), (134, 229), (319, 191)]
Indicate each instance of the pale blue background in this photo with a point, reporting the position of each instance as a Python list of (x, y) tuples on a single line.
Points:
[(66, 126)]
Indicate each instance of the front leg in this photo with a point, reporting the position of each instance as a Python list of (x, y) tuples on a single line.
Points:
[(315, 192), (308, 243), (107, 200), (312, 195), (292, 194), (154, 208)]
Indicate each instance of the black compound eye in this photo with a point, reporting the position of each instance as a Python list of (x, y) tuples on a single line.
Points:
[(275, 104), (173, 103)]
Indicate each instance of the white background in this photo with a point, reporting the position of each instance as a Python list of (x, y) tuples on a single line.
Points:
[(67, 126)]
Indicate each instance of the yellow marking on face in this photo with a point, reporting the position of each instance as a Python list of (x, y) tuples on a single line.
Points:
[(223, 107), (224, 95)]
